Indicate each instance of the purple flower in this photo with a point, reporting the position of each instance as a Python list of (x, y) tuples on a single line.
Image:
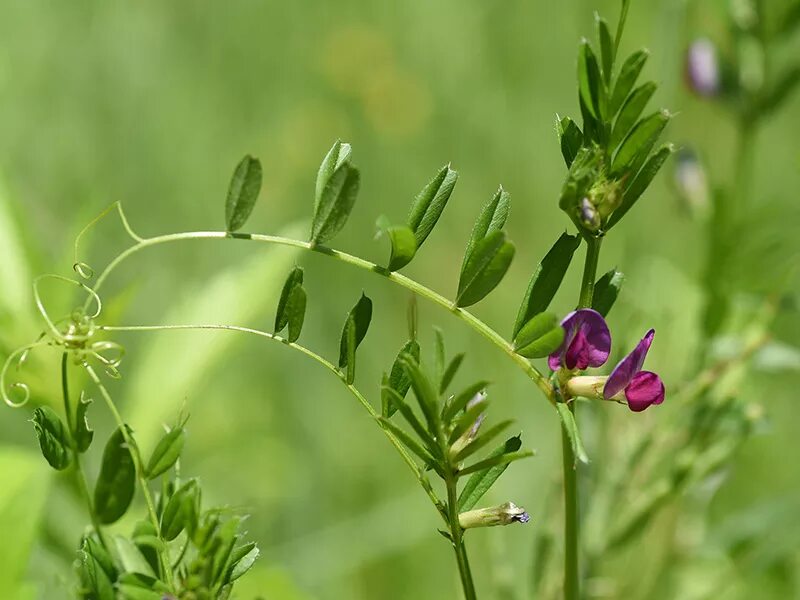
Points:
[(587, 341), (641, 388), (702, 68)]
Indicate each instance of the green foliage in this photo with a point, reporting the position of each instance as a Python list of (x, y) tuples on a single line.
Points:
[(291, 305), (590, 84), (53, 437), (449, 433), (615, 145), (634, 191), (569, 425), (355, 329), (242, 193), (337, 187), (403, 243), (637, 144), (484, 268), (430, 202), (546, 279), (113, 492), (606, 290), (166, 452), (612, 160), (481, 482), (570, 137), (630, 112), (540, 336), (95, 582), (398, 380), (181, 511), (450, 372), (82, 434), (628, 74), (492, 219)]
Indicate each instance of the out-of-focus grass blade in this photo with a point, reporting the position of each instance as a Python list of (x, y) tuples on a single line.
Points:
[(15, 273), (177, 364), (22, 499)]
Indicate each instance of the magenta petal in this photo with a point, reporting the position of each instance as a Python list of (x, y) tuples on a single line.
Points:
[(587, 341), (578, 354), (645, 389), (629, 366)]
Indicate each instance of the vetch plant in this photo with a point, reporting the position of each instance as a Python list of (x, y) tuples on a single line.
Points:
[(454, 452)]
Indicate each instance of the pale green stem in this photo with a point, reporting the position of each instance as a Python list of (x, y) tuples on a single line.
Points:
[(83, 485), (457, 535), (571, 525), (572, 578), (476, 324), (456, 531), (322, 361), (139, 468)]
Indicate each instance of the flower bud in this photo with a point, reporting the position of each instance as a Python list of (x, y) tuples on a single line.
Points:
[(702, 68), (590, 218), (470, 434), (586, 386), (690, 182), (505, 514)]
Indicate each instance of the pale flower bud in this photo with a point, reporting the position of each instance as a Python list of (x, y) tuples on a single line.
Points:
[(505, 514)]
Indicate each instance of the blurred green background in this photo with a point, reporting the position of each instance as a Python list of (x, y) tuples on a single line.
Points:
[(153, 103)]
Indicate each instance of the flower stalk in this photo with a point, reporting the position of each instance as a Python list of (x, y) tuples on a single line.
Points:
[(569, 461)]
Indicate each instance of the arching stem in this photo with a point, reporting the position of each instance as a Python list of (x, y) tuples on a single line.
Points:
[(418, 473), (417, 288)]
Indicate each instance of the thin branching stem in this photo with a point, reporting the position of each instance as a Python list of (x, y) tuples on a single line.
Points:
[(457, 538), (80, 475), (418, 473), (140, 475), (417, 288)]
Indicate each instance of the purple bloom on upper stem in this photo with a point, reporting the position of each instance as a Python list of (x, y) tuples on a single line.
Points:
[(702, 68), (587, 341), (642, 388)]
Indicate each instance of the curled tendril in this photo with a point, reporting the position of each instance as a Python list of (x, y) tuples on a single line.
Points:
[(111, 360), (82, 268), (72, 335), (18, 358)]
